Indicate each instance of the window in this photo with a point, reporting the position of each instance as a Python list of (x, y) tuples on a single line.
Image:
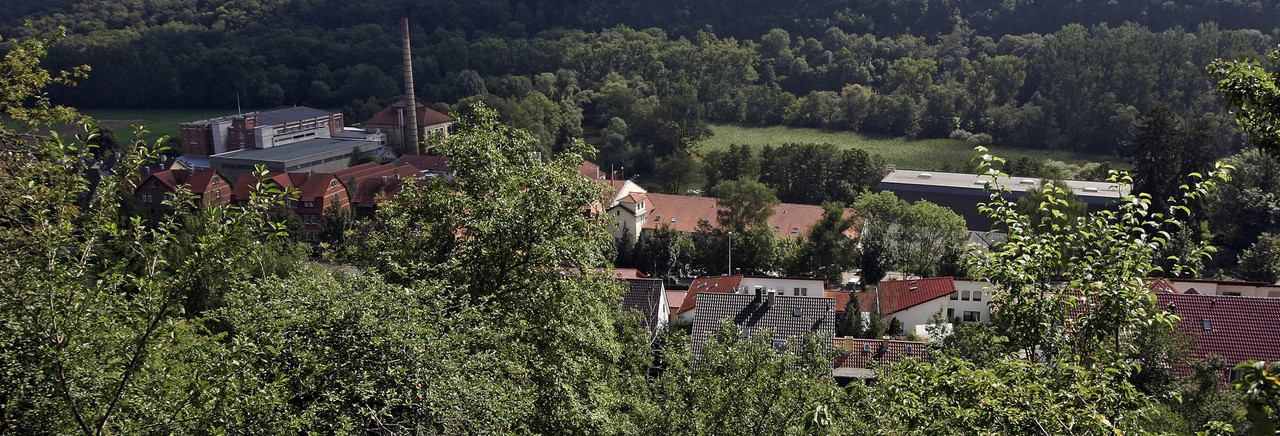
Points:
[(216, 180), (333, 183), (146, 198), (955, 295), (155, 183), (964, 295), (308, 204), (657, 218), (168, 197), (673, 219), (777, 228), (800, 292), (951, 314), (288, 203), (779, 344), (1206, 324), (1233, 294), (977, 295), (217, 194), (972, 316), (795, 230)]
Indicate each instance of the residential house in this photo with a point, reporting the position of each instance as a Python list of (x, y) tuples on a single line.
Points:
[(785, 319), (1224, 287), (1234, 328), (743, 284), (315, 192), (858, 358), (649, 297), (156, 187), (428, 166), (369, 184), (914, 302), (687, 213)]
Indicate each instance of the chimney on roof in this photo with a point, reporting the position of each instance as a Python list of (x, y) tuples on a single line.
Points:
[(772, 297), (411, 104), (759, 295), (148, 168)]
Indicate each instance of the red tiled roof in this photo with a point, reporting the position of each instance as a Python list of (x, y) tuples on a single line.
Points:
[(789, 219), (675, 299), (590, 170), (1239, 328), (634, 197), (859, 353), (719, 285), (245, 182), (426, 116), (896, 295), (627, 273), (314, 186), (842, 299), (425, 162)]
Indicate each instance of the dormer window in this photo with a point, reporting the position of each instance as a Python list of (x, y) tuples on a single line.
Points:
[(308, 204)]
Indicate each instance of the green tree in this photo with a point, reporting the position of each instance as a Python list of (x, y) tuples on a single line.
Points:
[(743, 204), (1037, 280), (1252, 91), (488, 236), (1261, 262), (828, 250), (851, 325)]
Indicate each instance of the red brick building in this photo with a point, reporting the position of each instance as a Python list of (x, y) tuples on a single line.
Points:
[(157, 187), (315, 193)]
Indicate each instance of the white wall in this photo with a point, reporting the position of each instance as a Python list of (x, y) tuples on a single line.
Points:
[(1223, 287), (971, 297), (784, 286)]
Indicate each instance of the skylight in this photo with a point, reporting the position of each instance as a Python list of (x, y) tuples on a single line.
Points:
[(1206, 324)]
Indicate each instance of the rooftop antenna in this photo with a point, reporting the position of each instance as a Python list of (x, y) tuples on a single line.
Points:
[(238, 111)]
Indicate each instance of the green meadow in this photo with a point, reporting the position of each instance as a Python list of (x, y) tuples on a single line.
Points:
[(925, 154)]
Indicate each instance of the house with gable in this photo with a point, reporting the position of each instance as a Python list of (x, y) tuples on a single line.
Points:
[(914, 301), (649, 297), (156, 187), (1235, 328), (785, 319), (1238, 288), (743, 284), (315, 193)]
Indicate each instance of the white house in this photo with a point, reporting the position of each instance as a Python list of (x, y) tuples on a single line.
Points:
[(742, 284), (914, 302)]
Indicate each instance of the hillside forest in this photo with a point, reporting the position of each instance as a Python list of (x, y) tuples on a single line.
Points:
[(479, 304)]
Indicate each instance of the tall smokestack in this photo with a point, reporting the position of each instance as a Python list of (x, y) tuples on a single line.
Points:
[(411, 130)]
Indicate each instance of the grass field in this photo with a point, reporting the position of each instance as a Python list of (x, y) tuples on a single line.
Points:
[(160, 122), (924, 154)]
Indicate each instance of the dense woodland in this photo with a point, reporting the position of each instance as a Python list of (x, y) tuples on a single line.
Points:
[(1036, 74)]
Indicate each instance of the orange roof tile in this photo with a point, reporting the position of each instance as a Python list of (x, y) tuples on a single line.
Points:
[(426, 116), (685, 213)]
